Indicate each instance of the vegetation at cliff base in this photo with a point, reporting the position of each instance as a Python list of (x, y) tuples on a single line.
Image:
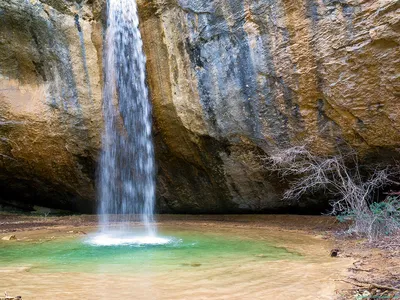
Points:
[(354, 195)]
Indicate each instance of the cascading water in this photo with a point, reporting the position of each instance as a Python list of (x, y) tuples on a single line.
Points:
[(126, 179)]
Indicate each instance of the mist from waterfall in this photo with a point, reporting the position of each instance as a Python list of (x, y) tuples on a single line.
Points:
[(126, 181)]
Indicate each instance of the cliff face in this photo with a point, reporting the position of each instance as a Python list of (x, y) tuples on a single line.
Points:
[(230, 82), (50, 102)]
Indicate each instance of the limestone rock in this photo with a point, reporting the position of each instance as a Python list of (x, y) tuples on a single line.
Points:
[(9, 238), (233, 80), (50, 102), (230, 81)]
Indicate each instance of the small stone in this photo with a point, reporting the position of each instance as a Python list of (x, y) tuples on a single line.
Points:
[(334, 252), (195, 265), (191, 264), (9, 238), (321, 237), (366, 294), (77, 232)]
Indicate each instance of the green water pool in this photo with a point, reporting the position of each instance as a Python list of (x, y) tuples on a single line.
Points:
[(185, 249)]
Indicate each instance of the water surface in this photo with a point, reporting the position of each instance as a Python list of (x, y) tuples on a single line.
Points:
[(196, 263)]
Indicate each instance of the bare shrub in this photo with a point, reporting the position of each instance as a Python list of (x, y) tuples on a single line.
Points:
[(340, 177)]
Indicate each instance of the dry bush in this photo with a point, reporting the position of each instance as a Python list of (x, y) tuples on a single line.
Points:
[(339, 176)]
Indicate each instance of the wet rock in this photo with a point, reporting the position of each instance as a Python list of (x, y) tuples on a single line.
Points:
[(195, 265), (335, 252), (191, 264), (9, 238), (261, 255)]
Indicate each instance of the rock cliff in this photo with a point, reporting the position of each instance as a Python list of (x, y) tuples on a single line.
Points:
[(230, 81), (50, 102), (233, 80)]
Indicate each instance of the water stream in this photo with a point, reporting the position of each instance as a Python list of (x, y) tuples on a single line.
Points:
[(126, 176)]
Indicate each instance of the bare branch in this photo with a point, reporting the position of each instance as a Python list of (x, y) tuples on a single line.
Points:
[(353, 194)]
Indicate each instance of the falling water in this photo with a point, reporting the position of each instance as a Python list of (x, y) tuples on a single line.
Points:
[(126, 179)]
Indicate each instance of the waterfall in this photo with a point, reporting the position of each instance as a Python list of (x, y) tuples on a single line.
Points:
[(126, 171)]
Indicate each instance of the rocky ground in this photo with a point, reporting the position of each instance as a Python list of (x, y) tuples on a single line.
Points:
[(376, 270), (375, 273)]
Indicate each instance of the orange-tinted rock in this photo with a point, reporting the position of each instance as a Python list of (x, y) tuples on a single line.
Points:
[(50, 103), (230, 81)]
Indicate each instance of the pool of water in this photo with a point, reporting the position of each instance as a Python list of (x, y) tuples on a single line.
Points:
[(171, 249), (187, 262)]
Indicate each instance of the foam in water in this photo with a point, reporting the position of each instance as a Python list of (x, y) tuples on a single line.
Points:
[(127, 240), (126, 179)]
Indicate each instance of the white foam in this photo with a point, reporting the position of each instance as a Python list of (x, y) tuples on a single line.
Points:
[(111, 240)]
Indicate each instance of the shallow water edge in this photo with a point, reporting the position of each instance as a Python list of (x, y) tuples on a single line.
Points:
[(221, 257)]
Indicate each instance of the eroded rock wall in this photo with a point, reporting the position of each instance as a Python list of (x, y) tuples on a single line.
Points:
[(232, 80), (50, 102)]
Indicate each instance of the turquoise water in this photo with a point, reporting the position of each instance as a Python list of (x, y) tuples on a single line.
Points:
[(186, 249)]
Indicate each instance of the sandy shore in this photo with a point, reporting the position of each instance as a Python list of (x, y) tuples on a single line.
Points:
[(16, 223)]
